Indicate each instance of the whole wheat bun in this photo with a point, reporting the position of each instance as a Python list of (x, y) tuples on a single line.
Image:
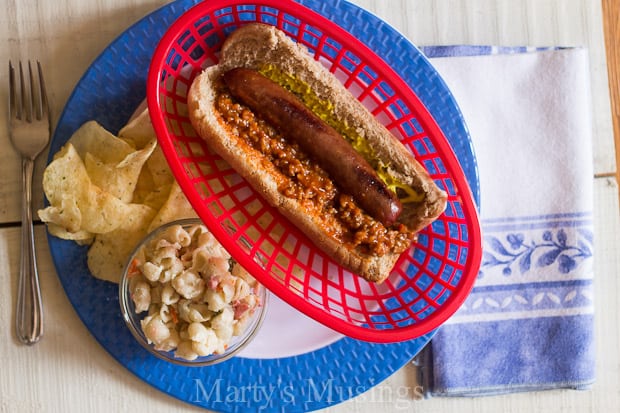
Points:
[(254, 45)]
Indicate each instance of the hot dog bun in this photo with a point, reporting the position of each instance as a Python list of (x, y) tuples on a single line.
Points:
[(256, 45)]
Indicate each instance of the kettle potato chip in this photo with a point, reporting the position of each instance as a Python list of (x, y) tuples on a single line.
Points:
[(119, 179), (92, 138), (176, 207), (75, 202), (81, 237), (158, 166), (139, 131), (109, 252), (110, 191)]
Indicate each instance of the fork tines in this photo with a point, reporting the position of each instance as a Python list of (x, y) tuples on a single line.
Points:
[(27, 109)]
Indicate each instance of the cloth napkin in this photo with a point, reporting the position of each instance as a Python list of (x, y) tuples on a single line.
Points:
[(528, 323)]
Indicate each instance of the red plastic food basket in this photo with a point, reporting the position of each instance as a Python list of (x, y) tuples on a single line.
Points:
[(429, 282)]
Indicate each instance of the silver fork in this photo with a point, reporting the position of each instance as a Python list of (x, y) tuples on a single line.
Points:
[(29, 131)]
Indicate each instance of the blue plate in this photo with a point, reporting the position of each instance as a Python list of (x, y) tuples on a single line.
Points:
[(109, 92)]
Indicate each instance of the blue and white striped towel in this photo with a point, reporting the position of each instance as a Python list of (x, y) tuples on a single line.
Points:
[(528, 324)]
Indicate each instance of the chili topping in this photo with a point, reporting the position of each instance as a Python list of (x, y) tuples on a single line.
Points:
[(301, 179)]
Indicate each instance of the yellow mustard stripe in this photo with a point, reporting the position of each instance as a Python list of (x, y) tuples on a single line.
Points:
[(324, 110)]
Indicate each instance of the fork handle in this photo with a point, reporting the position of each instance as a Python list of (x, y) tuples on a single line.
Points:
[(29, 315)]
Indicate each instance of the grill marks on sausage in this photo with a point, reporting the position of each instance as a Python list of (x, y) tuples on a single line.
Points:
[(322, 142), (303, 179)]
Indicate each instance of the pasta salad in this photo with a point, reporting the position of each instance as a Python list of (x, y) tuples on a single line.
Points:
[(196, 298)]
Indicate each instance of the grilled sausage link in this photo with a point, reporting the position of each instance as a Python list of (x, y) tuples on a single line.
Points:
[(324, 144)]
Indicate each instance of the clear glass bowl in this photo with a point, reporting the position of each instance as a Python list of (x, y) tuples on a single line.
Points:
[(132, 319)]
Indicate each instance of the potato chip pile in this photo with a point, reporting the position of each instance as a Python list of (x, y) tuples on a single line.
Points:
[(110, 191)]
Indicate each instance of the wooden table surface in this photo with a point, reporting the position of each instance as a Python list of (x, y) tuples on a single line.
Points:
[(68, 371)]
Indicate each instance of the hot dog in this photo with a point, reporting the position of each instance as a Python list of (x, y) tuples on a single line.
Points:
[(292, 130), (343, 163)]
